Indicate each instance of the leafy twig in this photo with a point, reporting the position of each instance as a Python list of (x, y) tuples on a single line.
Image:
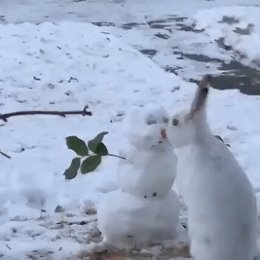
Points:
[(83, 112), (89, 156)]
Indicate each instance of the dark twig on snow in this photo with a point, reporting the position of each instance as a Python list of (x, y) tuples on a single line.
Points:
[(5, 155), (4, 117), (83, 112), (117, 156)]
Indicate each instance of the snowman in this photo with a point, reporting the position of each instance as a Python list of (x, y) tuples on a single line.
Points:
[(145, 209)]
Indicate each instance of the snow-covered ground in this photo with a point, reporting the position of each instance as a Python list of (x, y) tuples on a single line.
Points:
[(71, 63), (238, 26)]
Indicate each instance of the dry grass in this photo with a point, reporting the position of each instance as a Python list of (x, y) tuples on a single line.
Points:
[(117, 254)]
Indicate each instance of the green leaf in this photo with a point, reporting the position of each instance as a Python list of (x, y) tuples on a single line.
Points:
[(72, 171), (93, 144), (90, 164), (101, 149), (77, 145)]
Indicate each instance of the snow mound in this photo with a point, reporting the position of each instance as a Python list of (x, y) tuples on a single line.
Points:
[(237, 26)]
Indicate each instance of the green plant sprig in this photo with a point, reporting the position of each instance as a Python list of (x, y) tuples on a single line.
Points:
[(89, 156)]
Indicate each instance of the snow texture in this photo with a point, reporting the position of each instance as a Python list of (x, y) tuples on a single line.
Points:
[(239, 27), (140, 222), (51, 57)]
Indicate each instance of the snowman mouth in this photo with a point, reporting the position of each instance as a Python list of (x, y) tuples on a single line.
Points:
[(163, 133)]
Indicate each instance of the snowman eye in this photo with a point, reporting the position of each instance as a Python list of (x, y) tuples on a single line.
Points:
[(165, 120), (175, 121), (151, 122)]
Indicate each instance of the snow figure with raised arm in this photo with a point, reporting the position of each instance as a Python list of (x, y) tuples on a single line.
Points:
[(150, 168), (145, 209), (219, 197)]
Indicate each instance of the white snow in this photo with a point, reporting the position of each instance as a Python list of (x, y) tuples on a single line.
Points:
[(241, 30), (135, 217), (80, 64), (111, 76)]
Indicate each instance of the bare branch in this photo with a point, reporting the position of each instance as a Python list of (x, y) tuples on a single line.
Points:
[(5, 155), (117, 156), (83, 112)]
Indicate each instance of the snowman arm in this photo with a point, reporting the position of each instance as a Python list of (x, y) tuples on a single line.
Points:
[(123, 153)]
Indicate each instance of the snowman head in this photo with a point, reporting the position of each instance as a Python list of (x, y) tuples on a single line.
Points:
[(146, 127)]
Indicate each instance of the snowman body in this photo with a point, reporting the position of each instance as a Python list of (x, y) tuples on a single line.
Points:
[(148, 173), (145, 209), (128, 221)]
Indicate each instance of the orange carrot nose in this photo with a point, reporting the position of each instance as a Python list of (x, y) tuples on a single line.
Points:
[(163, 133)]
